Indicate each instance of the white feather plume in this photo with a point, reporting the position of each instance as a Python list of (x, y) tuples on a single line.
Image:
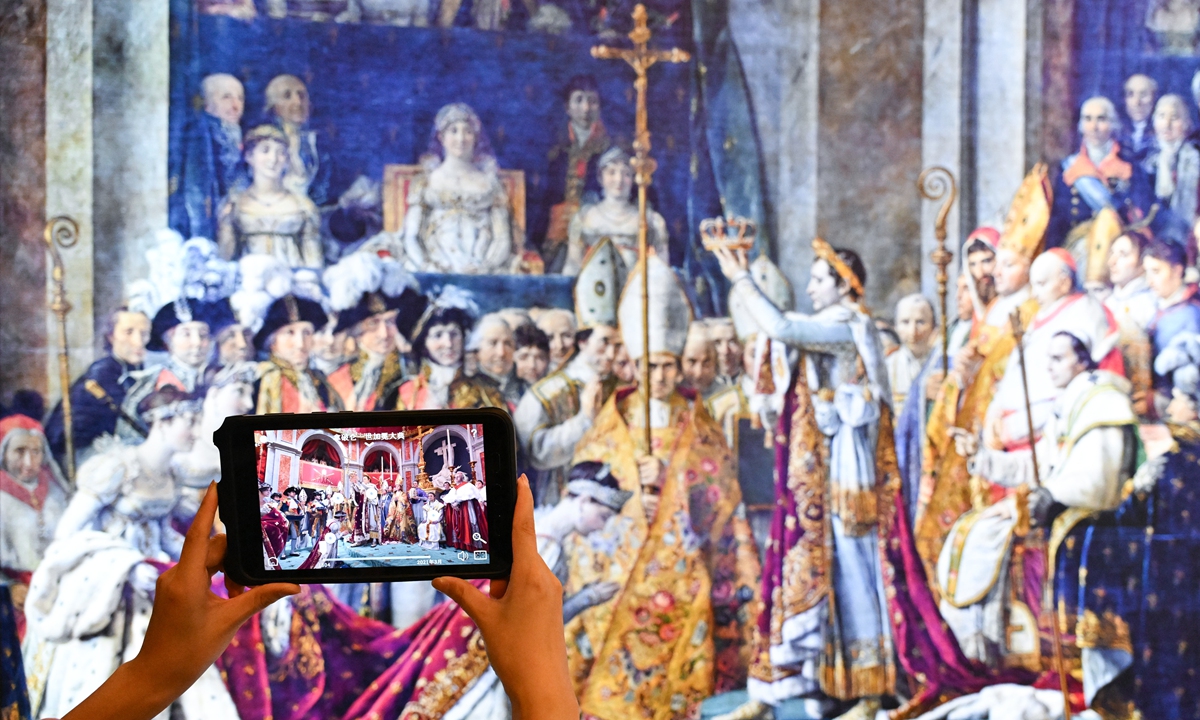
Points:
[(262, 280), (352, 276), (166, 256), (306, 283), (396, 278), (364, 272), (206, 275), (452, 296)]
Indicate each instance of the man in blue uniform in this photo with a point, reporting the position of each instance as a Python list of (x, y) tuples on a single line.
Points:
[(1102, 174), (213, 155), (1177, 303), (95, 413)]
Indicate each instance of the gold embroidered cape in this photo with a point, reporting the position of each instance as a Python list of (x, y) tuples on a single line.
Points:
[(947, 488), (680, 629)]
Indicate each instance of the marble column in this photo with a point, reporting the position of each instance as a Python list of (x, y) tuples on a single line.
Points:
[(798, 131), (869, 141), (942, 131), (283, 464), (131, 96), (1001, 107), (70, 172), (839, 113)]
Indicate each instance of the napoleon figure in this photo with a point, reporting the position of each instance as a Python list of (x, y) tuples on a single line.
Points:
[(826, 629)]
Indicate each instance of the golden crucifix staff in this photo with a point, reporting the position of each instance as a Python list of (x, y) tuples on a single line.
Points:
[(640, 58), (62, 232), (934, 184)]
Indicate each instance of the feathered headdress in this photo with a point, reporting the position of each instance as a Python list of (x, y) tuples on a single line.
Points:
[(263, 279), (450, 299), (1181, 359), (206, 276), (364, 284)]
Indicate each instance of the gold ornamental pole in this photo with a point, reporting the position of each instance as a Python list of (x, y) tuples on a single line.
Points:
[(640, 58), (62, 232), (934, 184)]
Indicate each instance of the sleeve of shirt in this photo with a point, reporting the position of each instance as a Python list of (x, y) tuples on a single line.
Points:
[(1008, 469), (549, 446), (1090, 475), (792, 329)]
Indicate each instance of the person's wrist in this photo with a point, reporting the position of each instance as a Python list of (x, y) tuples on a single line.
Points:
[(547, 702), (741, 274), (148, 677)]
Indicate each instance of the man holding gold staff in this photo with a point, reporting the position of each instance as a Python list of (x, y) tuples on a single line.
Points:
[(679, 629)]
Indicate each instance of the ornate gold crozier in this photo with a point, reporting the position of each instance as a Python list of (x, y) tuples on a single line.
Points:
[(641, 58), (62, 232), (934, 184)]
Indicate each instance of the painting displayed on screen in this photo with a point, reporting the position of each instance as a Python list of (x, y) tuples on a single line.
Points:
[(409, 506)]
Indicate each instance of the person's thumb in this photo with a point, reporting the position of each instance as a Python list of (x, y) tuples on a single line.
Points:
[(257, 599), (468, 597)]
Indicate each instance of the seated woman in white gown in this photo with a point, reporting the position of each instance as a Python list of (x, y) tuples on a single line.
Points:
[(90, 599), (615, 217), (458, 219)]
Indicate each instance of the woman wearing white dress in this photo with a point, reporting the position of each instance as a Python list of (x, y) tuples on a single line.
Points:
[(90, 599), (458, 219), (267, 218), (615, 217)]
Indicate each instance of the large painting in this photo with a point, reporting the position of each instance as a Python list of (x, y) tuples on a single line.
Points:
[(839, 476)]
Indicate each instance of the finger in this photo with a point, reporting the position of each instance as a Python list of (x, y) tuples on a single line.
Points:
[(257, 598), (195, 543), (233, 588), (498, 587), (524, 538), (214, 559), (468, 597)]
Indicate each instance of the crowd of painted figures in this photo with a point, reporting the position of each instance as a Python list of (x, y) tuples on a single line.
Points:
[(452, 513), (942, 539)]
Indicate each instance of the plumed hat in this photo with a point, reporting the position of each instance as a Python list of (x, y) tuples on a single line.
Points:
[(1029, 215), (1181, 359), (364, 284), (770, 279), (217, 315), (452, 304), (670, 310), (262, 279), (285, 311), (596, 287)]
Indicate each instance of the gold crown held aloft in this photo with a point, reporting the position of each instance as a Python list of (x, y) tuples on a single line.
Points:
[(732, 233)]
